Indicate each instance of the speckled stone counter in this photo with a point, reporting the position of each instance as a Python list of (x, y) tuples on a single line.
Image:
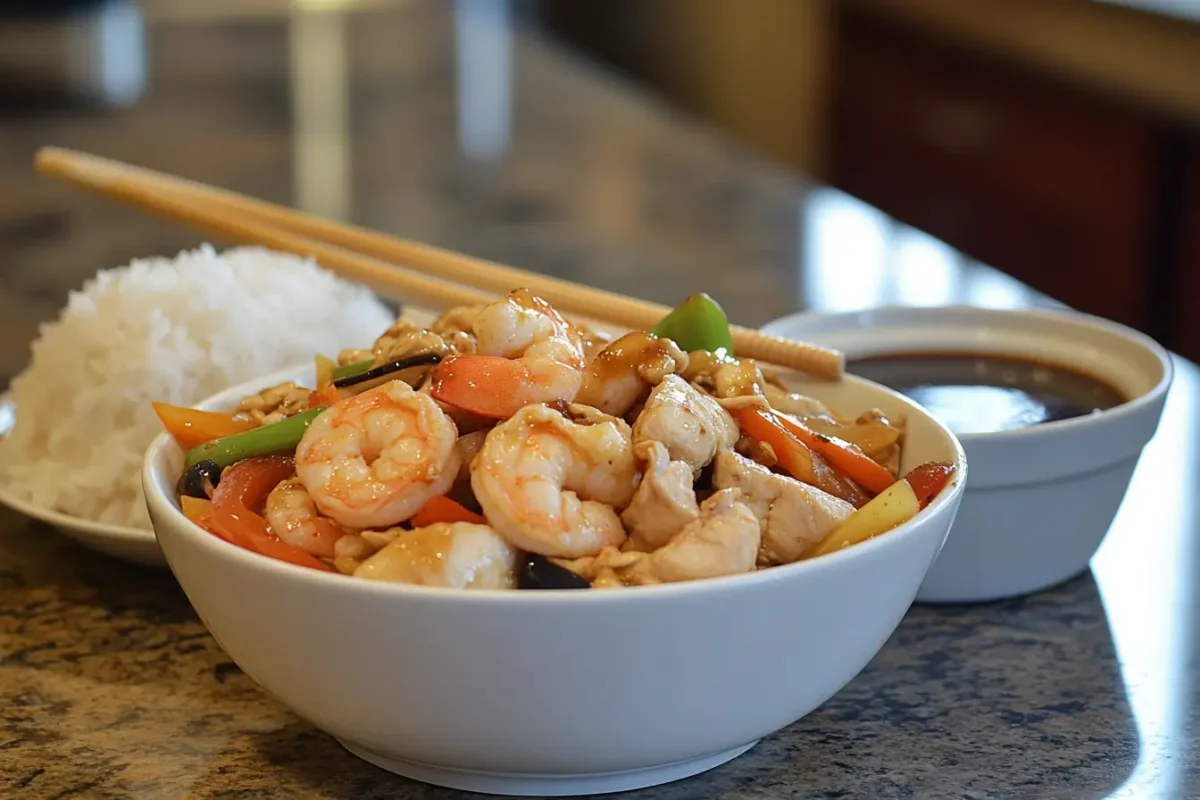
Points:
[(110, 687)]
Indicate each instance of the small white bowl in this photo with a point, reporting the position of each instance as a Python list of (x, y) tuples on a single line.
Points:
[(558, 693), (1040, 499)]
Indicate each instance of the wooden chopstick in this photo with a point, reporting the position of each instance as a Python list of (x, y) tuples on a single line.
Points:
[(389, 265)]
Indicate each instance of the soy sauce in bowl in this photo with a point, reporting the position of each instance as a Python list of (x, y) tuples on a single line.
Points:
[(987, 393)]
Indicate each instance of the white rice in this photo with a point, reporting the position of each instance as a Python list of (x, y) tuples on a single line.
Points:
[(169, 330)]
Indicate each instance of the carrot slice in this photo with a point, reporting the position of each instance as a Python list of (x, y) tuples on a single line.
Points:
[(846, 458), (794, 456), (327, 395), (443, 509), (192, 427), (243, 488)]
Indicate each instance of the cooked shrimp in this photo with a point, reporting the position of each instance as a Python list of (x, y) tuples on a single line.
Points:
[(460, 555), (723, 540), (552, 485), (372, 460), (624, 371), (793, 516), (664, 501), (526, 354), (294, 518), (692, 425)]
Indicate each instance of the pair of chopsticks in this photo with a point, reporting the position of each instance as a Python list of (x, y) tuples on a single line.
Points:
[(407, 271)]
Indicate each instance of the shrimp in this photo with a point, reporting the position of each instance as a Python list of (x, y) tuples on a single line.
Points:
[(372, 460), (526, 353), (625, 370), (552, 485), (793, 516), (692, 425), (294, 518), (461, 555), (723, 540), (664, 501)]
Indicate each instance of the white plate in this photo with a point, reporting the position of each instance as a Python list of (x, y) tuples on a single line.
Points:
[(119, 541)]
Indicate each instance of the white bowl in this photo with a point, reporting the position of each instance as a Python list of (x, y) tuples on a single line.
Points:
[(556, 693), (1040, 499)]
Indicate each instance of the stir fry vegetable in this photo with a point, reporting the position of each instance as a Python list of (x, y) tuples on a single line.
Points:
[(843, 456), (325, 371), (891, 508), (443, 509), (200, 479), (351, 370), (698, 323), (795, 456), (278, 437), (243, 488), (383, 370), (191, 427)]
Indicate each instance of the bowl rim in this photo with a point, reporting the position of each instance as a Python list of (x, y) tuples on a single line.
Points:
[(158, 501), (907, 314)]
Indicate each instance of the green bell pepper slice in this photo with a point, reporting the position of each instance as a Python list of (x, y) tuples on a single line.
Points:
[(350, 370), (698, 323), (278, 437)]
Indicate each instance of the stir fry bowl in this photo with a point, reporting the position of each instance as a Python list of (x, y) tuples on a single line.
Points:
[(558, 692)]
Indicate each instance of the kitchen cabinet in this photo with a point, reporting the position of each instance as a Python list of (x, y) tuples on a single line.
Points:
[(1052, 186)]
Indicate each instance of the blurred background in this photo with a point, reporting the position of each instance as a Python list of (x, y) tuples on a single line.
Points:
[(812, 153)]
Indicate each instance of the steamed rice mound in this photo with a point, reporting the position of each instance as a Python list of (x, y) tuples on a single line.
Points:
[(172, 330)]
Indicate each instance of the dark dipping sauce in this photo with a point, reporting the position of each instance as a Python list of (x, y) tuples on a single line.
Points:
[(986, 393)]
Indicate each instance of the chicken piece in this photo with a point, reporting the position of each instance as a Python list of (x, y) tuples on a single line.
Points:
[(692, 426), (273, 404), (454, 327), (724, 376), (460, 555), (793, 516), (723, 540), (664, 501), (352, 549), (404, 339), (624, 371), (603, 570)]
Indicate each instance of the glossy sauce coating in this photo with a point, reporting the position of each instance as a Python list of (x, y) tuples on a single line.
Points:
[(986, 393)]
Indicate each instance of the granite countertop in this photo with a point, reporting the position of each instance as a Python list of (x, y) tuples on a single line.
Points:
[(499, 144)]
